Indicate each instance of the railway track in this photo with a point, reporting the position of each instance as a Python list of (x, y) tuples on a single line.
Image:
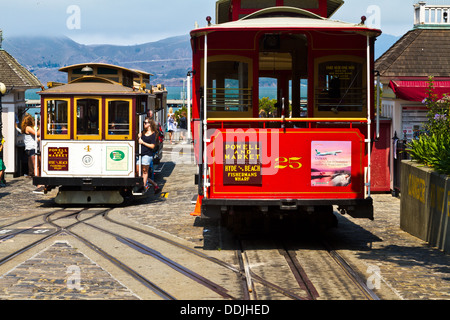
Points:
[(262, 270), (293, 269), (57, 220)]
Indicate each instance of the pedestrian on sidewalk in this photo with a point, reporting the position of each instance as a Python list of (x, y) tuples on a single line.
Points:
[(171, 124), (183, 126), (28, 129), (147, 138)]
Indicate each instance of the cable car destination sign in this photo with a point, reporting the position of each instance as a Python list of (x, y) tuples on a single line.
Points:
[(242, 163), (58, 159)]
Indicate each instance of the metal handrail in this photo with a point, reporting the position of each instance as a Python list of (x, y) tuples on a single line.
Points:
[(316, 120)]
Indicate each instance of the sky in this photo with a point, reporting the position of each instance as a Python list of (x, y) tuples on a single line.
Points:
[(139, 21)]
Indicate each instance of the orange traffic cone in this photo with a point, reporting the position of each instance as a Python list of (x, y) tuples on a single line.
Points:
[(198, 207)]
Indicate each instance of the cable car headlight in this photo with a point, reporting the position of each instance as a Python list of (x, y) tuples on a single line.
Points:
[(87, 160)]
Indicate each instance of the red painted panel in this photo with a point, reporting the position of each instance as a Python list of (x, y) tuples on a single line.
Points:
[(286, 164), (381, 181)]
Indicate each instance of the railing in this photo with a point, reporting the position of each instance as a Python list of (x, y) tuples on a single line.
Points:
[(284, 121), (431, 14), (353, 99), (229, 99), (57, 128)]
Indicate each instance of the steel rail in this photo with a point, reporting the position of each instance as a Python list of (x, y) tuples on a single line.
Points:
[(351, 273), (174, 265), (299, 273), (28, 247), (246, 280), (257, 278), (28, 218), (149, 284), (174, 243), (275, 287), (35, 243), (241, 272), (12, 235)]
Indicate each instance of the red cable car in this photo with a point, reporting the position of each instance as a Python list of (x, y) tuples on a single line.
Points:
[(314, 151)]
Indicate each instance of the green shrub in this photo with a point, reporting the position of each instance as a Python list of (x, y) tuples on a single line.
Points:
[(433, 148)]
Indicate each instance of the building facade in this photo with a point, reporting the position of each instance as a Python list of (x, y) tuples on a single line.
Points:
[(405, 70), (17, 80)]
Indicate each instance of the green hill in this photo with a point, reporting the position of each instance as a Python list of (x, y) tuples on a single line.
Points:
[(168, 59)]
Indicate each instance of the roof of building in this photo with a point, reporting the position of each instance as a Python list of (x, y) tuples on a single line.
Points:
[(419, 53), (13, 74)]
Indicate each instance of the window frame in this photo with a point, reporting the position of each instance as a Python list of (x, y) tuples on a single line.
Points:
[(130, 117), (232, 58), (342, 114), (48, 135), (100, 119)]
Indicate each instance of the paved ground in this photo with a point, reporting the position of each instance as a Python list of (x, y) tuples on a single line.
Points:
[(405, 264), (400, 264), (55, 273)]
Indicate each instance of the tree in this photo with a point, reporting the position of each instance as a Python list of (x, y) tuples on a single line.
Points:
[(268, 105)]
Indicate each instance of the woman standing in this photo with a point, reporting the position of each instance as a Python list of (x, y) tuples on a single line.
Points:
[(171, 124), (147, 138), (28, 129)]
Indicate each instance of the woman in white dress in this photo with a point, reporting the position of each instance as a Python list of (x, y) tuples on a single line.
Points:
[(171, 124)]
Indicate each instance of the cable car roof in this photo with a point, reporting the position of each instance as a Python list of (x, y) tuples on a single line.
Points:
[(92, 88), (96, 64), (224, 7), (286, 18)]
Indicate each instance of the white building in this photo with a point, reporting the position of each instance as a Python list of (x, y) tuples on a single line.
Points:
[(17, 80), (405, 68)]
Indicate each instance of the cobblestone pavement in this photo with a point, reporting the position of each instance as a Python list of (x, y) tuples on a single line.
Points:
[(406, 265), (55, 273), (402, 266)]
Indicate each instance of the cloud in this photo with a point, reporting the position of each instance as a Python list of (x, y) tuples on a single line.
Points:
[(113, 21), (139, 21), (394, 17)]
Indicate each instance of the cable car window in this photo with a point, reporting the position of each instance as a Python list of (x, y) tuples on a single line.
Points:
[(305, 4), (77, 71), (57, 115), (340, 87), (104, 70), (260, 4), (228, 86), (118, 118), (88, 117)]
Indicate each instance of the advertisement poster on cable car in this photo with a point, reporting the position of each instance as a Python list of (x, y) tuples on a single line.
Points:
[(331, 163)]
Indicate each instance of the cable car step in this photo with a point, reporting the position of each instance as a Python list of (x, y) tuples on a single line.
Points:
[(159, 168), (89, 197), (40, 190)]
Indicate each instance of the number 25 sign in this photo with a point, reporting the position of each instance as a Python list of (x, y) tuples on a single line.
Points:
[(292, 163)]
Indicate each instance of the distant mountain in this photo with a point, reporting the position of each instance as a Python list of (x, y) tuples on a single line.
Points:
[(168, 59)]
